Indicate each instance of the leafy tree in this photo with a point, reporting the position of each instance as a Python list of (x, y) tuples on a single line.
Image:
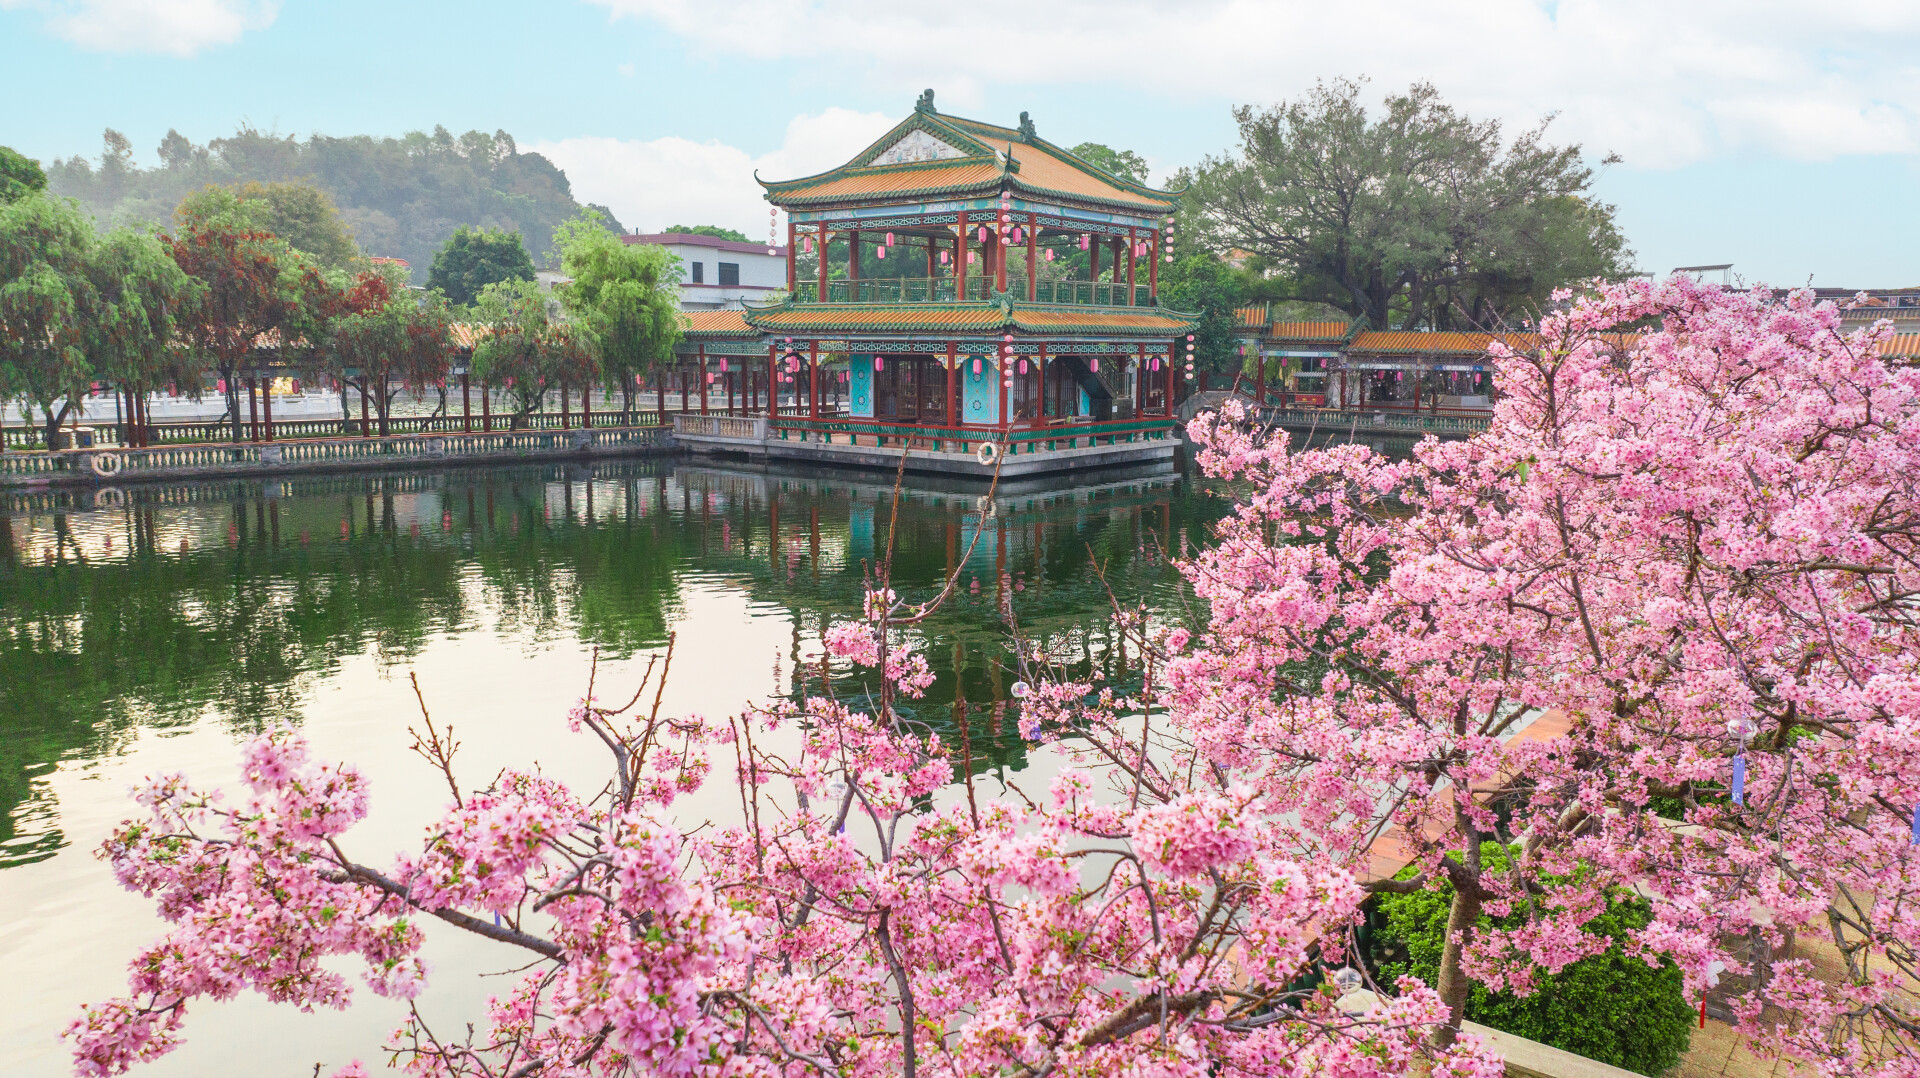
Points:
[(1420, 216), (20, 175), (46, 299), (143, 303), (1122, 163), (624, 296), (306, 218), (399, 197), (1197, 281), (392, 338), (254, 285), (1611, 1006), (525, 350), (714, 231), (474, 258)]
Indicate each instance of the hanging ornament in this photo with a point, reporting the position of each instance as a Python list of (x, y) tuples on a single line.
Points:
[(807, 245), (879, 363), (976, 365), (1086, 241), (880, 252), (943, 258), (1096, 364), (723, 366), (969, 258), (1023, 366), (983, 239), (1049, 254), (889, 239)]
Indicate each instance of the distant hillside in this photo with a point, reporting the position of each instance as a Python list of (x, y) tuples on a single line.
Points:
[(401, 197)]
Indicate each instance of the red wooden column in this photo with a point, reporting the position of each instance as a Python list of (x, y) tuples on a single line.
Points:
[(1172, 353), (1093, 259), (1153, 267), (1133, 260), (813, 371), (773, 380), (1033, 242), (960, 260), (703, 379), (253, 410), (999, 249), (1139, 377), (930, 272), (853, 254), (1040, 369), (953, 396), (819, 245), (266, 407), (466, 403), (792, 269), (1006, 368)]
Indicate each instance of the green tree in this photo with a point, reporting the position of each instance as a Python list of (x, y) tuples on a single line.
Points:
[(525, 351), (306, 218), (46, 299), (20, 175), (1122, 163), (143, 303), (1420, 216), (396, 339), (474, 258), (626, 297), (1613, 1007), (714, 231), (1199, 282)]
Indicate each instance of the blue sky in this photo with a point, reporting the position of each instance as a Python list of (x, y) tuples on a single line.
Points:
[(1763, 134)]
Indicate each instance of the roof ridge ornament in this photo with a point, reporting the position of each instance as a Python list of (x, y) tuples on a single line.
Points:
[(925, 104), (1027, 133)]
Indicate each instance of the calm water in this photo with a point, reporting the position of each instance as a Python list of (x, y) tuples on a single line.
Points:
[(149, 635)]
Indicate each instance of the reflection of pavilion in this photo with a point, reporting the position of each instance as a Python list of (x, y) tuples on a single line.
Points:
[(957, 284)]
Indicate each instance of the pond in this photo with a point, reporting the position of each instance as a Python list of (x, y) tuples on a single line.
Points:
[(148, 631)]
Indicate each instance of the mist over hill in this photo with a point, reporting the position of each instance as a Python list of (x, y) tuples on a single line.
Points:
[(401, 197)]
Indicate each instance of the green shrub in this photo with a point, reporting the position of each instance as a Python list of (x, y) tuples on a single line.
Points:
[(1610, 1007)]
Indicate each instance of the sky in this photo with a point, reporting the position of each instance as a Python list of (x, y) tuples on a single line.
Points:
[(1781, 137)]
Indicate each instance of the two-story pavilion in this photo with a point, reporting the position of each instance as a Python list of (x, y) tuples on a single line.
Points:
[(956, 283)]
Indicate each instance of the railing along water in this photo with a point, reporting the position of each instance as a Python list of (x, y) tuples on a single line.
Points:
[(114, 465), (1057, 436)]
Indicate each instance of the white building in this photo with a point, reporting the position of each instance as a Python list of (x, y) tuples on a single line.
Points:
[(718, 275)]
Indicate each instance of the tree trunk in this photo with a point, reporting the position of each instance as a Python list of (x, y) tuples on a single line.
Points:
[(233, 400), (1462, 915), (50, 434), (346, 410)]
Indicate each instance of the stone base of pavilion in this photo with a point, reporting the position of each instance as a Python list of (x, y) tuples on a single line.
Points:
[(1068, 449)]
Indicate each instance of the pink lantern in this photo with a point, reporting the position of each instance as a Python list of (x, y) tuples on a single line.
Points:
[(1017, 236), (969, 258), (983, 236), (879, 363), (1023, 366), (1086, 241), (880, 253), (712, 377), (943, 258), (1049, 254), (723, 364), (1096, 364), (807, 245), (976, 364), (1008, 338), (889, 239)]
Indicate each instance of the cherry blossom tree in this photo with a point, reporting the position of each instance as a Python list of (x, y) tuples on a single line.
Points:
[(1687, 546), (867, 912)]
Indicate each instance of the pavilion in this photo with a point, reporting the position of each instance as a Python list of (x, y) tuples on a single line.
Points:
[(955, 284)]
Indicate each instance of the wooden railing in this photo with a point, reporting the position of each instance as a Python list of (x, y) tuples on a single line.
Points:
[(115, 465), (968, 439), (979, 289)]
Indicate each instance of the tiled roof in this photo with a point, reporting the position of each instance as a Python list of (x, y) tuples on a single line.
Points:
[(716, 324), (1034, 166), (1251, 317), (467, 334), (895, 318), (1902, 346), (1151, 323), (1309, 331), (1448, 342), (896, 180)]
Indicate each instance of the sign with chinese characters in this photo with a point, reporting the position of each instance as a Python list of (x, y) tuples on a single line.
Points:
[(916, 146)]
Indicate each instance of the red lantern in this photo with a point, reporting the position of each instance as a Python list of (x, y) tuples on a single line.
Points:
[(880, 253), (1096, 364), (889, 239), (976, 364), (879, 363), (1023, 366)]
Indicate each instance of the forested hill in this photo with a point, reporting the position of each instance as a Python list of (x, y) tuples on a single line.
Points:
[(402, 197)]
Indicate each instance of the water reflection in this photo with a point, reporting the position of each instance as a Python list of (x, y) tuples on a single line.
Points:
[(156, 607)]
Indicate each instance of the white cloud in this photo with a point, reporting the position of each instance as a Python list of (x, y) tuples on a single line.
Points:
[(666, 181), (1663, 83), (174, 27)]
